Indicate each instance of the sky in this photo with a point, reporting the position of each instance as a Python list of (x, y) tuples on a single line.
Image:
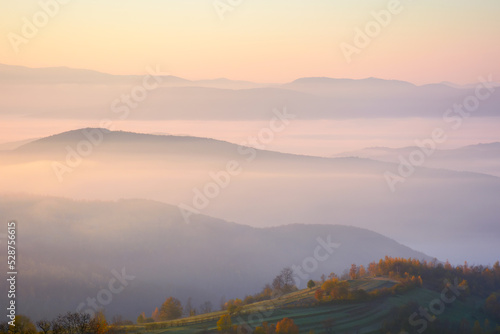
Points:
[(267, 41), (259, 40)]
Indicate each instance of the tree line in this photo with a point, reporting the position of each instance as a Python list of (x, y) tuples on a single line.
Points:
[(69, 323)]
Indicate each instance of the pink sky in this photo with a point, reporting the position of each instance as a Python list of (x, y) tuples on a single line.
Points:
[(260, 40)]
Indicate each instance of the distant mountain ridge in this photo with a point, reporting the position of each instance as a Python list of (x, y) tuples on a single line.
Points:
[(62, 74), (65, 75), (479, 158), (84, 94)]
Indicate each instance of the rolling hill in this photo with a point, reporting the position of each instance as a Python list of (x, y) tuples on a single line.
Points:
[(85, 243)]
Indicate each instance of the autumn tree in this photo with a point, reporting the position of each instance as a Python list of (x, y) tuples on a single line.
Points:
[(141, 318), (318, 294), (170, 309), (234, 305), (98, 324), (340, 290), (353, 271), (373, 269), (23, 325), (267, 291), (286, 326), (361, 271), (249, 300), (465, 268), (259, 330), (496, 270), (266, 328), (329, 285), (224, 324), (156, 315), (477, 328), (311, 284), (492, 306)]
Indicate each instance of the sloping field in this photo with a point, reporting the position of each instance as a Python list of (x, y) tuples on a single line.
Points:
[(344, 317)]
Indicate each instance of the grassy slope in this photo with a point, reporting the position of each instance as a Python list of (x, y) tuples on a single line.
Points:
[(366, 317)]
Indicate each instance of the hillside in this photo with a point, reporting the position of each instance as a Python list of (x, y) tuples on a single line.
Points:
[(365, 316), (84, 241)]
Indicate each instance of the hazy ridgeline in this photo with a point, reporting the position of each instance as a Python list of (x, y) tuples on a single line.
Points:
[(62, 93), (68, 250), (450, 215)]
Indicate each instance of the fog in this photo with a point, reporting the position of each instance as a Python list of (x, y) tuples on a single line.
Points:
[(308, 137), (85, 243), (266, 188), (208, 188)]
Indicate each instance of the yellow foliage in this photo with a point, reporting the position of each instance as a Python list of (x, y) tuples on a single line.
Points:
[(224, 323)]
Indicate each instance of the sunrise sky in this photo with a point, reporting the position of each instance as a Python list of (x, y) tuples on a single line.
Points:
[(259, 40)]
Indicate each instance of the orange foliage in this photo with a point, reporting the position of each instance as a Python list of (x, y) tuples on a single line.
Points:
[(286, 326), (318, 294)]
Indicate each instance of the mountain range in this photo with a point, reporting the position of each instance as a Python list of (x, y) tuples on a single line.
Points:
[(262, 188)]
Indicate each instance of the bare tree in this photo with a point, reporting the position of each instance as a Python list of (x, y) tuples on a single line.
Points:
[(57, 327), (71, 323), (206, 307), (278, 283), (117, 320), (44, 325), (284, 281), (222, 303), (287, 274)]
